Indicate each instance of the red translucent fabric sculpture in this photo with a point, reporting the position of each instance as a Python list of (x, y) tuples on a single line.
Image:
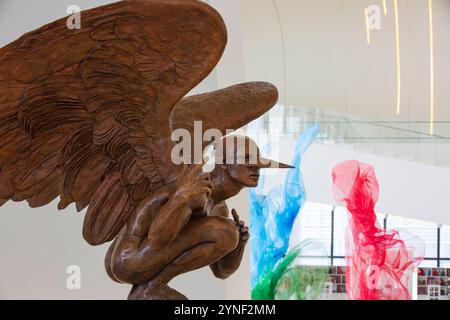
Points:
[(379, 262)]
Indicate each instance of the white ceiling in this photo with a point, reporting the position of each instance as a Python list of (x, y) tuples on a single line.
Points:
[(325, 61)]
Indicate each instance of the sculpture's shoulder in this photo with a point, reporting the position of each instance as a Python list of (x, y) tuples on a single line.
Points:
[(220, 210), (149, 208)]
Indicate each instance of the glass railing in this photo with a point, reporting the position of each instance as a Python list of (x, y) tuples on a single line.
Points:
[(408, 140)]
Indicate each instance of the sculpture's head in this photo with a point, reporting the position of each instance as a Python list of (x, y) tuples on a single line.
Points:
[(240, 159)]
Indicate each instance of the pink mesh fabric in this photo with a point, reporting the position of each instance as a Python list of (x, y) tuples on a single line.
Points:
[(379, 262)]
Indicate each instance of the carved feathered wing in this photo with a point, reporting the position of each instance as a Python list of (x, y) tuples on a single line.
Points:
[(229, 108), (84, 114)]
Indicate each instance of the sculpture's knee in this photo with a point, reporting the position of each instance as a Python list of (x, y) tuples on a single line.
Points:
[(109, 262), (132, 269), (226, 234), (123, 270)]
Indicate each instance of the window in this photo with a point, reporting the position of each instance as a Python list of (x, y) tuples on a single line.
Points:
[(329, 225), (432, 263), (340, 231), (427, 231), (340, 262), (315, 223), (444, 252)]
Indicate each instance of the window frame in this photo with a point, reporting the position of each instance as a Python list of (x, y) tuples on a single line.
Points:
[(438, 259), (332, 256)]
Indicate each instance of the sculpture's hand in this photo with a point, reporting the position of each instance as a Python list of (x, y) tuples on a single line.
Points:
[(226, 266), (244, 233), (194, 187)]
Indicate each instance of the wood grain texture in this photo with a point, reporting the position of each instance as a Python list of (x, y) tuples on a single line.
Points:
[(229, 108), (86, 115)]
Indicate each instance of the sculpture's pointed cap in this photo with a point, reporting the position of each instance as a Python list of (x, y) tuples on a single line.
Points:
[(238, 149), (268, 163)]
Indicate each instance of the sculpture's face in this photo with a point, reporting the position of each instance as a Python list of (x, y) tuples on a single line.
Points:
[(240, 158), (245, 175), (244, 168)]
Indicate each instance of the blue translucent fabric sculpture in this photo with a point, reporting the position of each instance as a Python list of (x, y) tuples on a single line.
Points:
[(272, 216)]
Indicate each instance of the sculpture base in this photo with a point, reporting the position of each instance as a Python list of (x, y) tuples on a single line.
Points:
[(151, 292)]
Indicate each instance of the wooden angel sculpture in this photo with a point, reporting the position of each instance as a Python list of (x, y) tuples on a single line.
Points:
[(87, 115)]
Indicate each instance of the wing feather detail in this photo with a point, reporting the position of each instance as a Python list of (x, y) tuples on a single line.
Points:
[(84, 114), (229, 108)]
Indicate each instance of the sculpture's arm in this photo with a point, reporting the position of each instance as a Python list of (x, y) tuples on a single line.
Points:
[(226, 266), (156, 222), (193, 191), (174, 215), (159, 218)]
